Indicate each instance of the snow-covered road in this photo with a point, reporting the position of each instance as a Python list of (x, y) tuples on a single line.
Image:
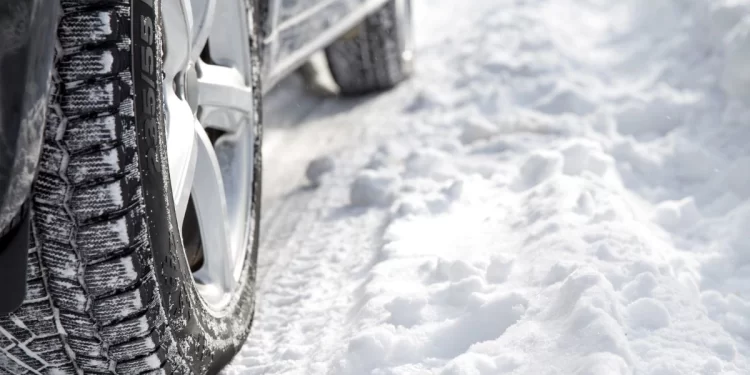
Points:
[(563, 188)]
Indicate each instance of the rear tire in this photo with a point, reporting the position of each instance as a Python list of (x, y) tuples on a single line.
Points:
[(377, 54), (110, 290)]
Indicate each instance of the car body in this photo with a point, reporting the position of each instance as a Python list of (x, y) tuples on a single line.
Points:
[(26, 51)]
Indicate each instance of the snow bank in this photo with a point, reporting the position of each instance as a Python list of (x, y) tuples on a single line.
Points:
[(587, 241)]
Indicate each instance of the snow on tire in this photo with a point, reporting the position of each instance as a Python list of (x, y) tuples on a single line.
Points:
[(109, 290)]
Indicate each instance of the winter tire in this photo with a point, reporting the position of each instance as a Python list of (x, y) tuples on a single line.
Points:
[(127, 273), (377, 54)]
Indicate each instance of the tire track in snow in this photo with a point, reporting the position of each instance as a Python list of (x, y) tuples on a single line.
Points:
[(315, 248), (307, 284)]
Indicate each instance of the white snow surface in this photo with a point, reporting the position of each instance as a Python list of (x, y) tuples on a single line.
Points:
[(562, 188)]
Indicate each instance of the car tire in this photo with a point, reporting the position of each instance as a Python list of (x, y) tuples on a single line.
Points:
[(109, 287), (376, 55)]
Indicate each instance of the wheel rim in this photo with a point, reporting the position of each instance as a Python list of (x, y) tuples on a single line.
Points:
[(210, 141), (406, 36)]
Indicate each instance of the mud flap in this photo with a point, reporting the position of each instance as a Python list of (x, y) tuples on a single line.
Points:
[(14, 250)]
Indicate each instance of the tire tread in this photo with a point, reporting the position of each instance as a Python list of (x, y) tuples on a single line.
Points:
[(369, 60), (92, 305)]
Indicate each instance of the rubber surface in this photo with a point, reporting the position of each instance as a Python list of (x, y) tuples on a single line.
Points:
[(14, 246), (369, 58)]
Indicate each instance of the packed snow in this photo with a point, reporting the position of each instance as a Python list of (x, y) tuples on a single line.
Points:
[(562, 188)]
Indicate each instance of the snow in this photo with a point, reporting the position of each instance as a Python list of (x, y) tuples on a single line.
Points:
[(106, 62), (372, 188), (318, 168), (561, 189)]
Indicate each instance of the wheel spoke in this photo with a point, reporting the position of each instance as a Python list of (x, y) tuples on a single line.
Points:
[(203, 17), (223, 87), (181, 152), (211, 209), (230, 38), (178, 25)]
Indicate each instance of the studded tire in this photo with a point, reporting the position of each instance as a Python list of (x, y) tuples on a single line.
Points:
[(109, 287), (370, 58)]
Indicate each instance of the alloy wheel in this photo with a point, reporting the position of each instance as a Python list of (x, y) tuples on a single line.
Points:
[(210, 126)]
